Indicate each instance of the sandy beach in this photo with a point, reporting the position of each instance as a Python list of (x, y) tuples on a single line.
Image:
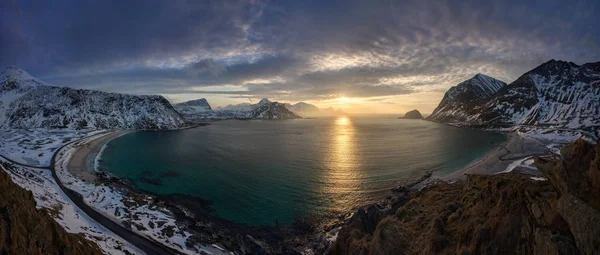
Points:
[(515, 148), (82, 161)]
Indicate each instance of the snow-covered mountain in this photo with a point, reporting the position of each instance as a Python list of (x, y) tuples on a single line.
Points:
[(272, 111), (554, 93), (26, 102), (243, 106), (264, 109), (462, 101), (193, 106), (303, 108), (236, 107)]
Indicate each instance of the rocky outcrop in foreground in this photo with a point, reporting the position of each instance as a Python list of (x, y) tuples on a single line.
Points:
[(26, 230), (490, 214)]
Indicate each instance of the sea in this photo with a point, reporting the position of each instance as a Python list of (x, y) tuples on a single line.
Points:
[(260, 173)]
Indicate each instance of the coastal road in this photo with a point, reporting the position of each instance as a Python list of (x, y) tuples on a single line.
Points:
[(148, 246)]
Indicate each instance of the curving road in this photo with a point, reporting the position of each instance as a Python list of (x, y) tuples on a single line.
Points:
[(146, 245)]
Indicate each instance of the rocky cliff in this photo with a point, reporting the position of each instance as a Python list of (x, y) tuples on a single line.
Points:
[(193, 106), (26, 102), (26, 230), (509, 213)]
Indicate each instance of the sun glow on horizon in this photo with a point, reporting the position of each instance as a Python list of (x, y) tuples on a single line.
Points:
[(343, 100)]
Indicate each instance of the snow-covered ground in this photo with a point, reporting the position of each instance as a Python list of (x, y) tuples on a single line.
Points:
[(36, 146), (558, 135), (49, 196), (552, 134), (135, 211), (554, 139), (525, 163)]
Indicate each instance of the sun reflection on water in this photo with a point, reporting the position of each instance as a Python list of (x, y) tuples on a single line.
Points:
[(343, 176)]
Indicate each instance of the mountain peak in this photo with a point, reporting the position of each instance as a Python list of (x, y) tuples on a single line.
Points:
[(264, 101), (482, 76), (558, 68), (479, 87), (553, 63), (15, 73)]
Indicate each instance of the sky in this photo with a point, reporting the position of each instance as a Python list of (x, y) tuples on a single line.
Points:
[(360, 56)]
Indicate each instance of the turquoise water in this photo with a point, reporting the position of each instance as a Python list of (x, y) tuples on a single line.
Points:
[(256, 172)]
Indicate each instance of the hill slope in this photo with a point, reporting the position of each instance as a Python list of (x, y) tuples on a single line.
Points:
[(26, 102), (25, 230), (461, 101), (554, 93), (508, 213)]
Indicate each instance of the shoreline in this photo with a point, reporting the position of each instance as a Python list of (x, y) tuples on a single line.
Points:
[(82, 163), (493, 162), (515, 148), (98, 155)]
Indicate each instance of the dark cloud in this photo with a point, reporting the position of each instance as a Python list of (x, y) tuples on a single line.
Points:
[(205, 65), (97, 34), (295, 50)]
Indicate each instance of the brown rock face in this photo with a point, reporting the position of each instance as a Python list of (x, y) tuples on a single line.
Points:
[(577, 178), (25, 230), (486, 214), (491, 214)]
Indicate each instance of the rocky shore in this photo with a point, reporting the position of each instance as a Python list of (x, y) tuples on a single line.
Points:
[(194, 216)]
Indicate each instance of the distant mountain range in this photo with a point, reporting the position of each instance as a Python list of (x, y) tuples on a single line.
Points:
[(200, 110), (309, 110), (26, 102), (555, 93)]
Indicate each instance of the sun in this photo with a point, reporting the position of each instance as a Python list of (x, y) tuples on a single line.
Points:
[(343, 100)]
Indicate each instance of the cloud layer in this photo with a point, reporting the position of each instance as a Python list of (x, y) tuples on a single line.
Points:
[(291, 50)]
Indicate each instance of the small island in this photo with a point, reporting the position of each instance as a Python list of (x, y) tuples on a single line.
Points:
[(414, 114)]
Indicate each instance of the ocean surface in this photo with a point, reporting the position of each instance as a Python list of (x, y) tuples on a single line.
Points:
[(257, 172)]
